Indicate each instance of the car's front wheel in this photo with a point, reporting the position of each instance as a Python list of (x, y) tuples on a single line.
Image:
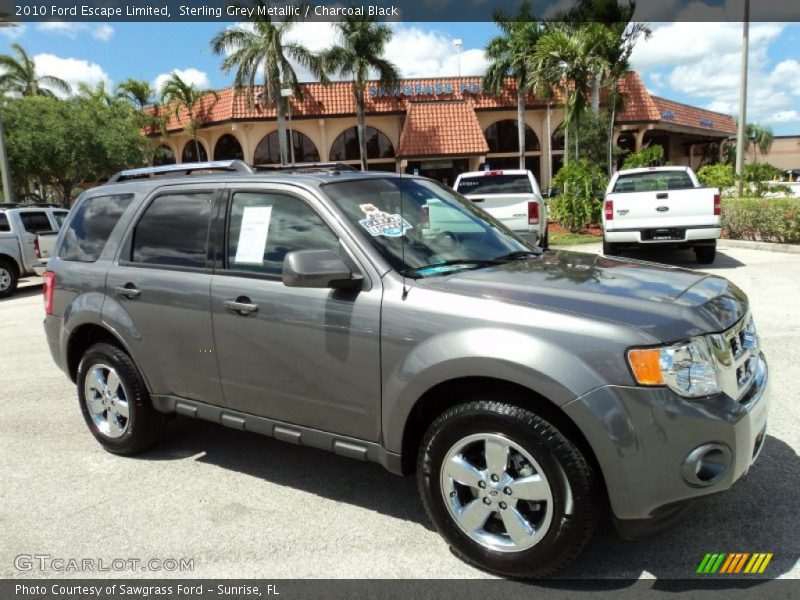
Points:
[(506, 488), (115, 402)]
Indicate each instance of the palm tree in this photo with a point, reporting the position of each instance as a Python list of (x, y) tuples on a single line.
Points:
[(760, 138), (510, 54), (136, 91), (262, 45), (360, 53), (178, 94), (97, 94), (20, 76)]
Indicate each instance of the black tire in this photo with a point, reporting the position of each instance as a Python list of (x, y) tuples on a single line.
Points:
[(544, 244), (144, 423), (569, 473), (8, 273), (610, 249), (706, 254)]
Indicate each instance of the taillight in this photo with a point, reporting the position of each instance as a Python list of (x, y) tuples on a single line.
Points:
[(36, 247), (717, 205), (48, 288), (533, 213), (424, 218), (609, 210), (492, 173)]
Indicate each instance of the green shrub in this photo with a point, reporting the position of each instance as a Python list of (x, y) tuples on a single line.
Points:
[(718, 176), (766, 220), (759, 179), (582, 184), (652, 156)]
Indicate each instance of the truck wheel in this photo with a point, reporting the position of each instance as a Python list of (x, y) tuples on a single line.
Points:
[(506, 489), (8, 279), (610, 249), (115, 402), (705, 254), (545, 242)]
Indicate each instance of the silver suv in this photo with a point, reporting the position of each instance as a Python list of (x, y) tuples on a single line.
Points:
[(386, 318)]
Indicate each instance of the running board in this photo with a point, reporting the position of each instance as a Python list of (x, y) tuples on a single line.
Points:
[(285, 432)]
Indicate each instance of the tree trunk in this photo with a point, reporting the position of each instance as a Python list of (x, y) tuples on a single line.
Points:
[(521, 124), (362, 127), (566, 125), (5, 172), (280, 113), (595, 83), (549, 149), (611, 141)]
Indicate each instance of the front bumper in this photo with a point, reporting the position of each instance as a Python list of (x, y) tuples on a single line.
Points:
[(643, 436)]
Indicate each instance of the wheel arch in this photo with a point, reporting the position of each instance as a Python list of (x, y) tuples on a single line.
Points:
[(86, 335), (13, 261)]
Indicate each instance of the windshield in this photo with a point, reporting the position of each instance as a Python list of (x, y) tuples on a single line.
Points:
[(654, 181), (495, 184), (422, 228)]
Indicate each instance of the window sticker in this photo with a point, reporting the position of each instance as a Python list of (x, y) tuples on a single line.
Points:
[(382, 223), (253, 235)]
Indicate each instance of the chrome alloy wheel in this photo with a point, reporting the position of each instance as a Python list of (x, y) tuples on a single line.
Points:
[(107, 400), (5, 279), (496, 492)]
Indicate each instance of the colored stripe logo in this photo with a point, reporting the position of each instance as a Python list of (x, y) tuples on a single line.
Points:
[(734, 562)]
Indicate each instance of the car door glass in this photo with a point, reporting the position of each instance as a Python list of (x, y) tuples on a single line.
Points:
[(265, 227), (33, 222), (174, 230), (4, 224)]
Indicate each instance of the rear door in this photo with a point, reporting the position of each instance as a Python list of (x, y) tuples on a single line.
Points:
[(301, 355), (159, 288), (32, 222)]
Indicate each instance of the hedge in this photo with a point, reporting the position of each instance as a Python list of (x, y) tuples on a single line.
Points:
[(762, 219)]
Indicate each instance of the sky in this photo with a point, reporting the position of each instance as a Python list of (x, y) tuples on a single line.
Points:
[(696, 63)]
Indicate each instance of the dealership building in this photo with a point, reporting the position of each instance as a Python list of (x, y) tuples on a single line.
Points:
[(437, 127)]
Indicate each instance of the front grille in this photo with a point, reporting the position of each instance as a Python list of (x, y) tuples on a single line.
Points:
[(739, 357)]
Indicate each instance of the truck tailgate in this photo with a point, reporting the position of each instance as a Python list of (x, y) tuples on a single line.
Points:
[(511, 209), (668, 208)]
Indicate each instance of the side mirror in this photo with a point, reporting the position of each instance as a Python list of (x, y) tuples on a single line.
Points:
[(553, 192), (318, 269)]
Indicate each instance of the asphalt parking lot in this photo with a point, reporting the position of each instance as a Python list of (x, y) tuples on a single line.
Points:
[(242, 505)]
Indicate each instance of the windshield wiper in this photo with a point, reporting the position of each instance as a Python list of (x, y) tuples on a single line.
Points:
[(475, 262), (517, 255)]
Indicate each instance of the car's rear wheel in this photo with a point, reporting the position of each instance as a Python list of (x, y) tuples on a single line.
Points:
[(610, 249), (706, 254), (114, 401), (545, 243), (8, 279), (507, 490)]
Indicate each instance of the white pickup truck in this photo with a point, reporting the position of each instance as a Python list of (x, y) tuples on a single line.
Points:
[(661, 206), (19, 226), (512, 197)]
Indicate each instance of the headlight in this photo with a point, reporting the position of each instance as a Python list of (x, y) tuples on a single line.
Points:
[(687, 369)]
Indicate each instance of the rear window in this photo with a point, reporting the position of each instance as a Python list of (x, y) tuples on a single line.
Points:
[(653, 181), (34, 222), (4, 224), (94, 219), (61, 216), (495, 184)]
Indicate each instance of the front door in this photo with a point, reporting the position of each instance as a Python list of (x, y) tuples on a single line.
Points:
[(304, 356)]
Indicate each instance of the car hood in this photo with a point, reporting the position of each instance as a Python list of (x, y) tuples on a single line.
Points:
[(669, 303)]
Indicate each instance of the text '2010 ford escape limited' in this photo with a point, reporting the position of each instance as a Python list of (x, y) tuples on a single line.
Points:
[(388, 319)]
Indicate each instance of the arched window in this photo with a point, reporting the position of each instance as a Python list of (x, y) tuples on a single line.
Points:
[(557, 141), (502, 137), (228, 148), (345, 147), (268, 151), (190, 152), (163, 156)]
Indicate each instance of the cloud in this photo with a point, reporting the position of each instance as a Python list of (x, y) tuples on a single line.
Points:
[(707, 70), (71, 70), (189, 75), (102, 31), (13, 30)]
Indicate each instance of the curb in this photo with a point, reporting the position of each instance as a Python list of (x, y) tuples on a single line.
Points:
[(765, 246)]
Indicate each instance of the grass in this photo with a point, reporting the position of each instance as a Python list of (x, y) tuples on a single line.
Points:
[(570, 239)]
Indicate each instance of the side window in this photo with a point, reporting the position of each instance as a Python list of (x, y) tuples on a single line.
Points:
[(4, 224), (265, 227), (60, 216), (89, 229), (33, 222), (174, 230)]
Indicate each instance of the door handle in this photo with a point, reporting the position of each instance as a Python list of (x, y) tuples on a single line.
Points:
[(662, 195), (128, 291), (241, 305)]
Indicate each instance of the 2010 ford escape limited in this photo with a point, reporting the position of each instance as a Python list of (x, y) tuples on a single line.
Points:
[(388, 319)]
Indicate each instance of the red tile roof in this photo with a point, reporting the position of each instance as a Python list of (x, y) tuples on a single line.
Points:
[(691, 116), (441, 129)]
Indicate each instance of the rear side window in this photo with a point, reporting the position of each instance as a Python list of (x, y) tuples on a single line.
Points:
[(89, 229), (174, 230), (4, 224), (60, 216), (495, 184), (653, 181), (34, 222)]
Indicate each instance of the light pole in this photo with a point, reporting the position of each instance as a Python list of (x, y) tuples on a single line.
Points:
[(740, 138), (4, 170), (288, 93), (458, 44)]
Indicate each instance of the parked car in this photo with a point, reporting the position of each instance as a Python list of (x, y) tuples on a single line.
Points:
[(661, 206), (511, 196), (19, 225), (526, 389)]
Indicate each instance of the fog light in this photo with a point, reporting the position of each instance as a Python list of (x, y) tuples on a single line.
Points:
[(706, 464)]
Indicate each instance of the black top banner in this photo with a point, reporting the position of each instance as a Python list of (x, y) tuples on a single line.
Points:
[(390, 10)]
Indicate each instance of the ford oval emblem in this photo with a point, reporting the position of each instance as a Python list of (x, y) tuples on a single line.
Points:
[(662, 208)]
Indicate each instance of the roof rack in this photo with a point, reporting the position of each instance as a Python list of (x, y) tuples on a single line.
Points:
[(183, 169), (307, 167)]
